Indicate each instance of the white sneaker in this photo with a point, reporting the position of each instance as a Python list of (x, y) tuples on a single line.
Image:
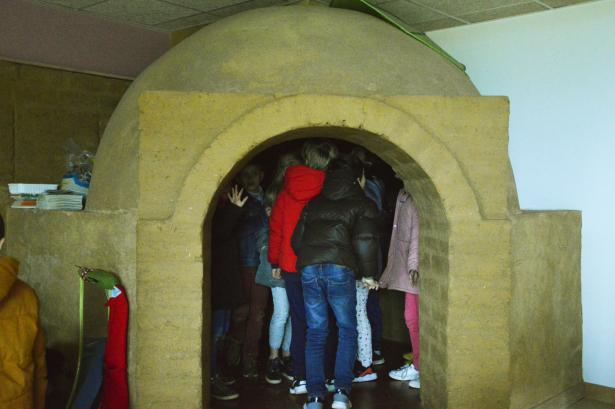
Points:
[(405, 373), (298, 387), (416, 384)]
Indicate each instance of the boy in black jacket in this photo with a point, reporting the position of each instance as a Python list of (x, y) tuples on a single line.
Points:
[(336, 242)]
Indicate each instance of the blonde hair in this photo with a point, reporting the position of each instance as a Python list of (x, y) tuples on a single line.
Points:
[(317, 155)]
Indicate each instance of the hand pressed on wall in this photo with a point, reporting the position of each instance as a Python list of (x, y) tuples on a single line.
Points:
[(235, 196)]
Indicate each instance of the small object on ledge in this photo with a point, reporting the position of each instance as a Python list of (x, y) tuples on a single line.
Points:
[(30, 188), (60, 200), (24, 201), (25, 195)]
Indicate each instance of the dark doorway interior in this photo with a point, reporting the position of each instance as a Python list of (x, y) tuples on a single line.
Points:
[(384, 392)]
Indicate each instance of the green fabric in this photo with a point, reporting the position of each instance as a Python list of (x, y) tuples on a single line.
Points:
[(103, 279), (364, 7)]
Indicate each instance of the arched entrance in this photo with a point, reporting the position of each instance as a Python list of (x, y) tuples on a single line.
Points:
[(170, 221)]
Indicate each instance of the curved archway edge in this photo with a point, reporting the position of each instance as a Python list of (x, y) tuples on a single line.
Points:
[(170, 239), (390, 123)]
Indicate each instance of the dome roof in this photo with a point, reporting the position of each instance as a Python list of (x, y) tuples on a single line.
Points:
[(276, 50)]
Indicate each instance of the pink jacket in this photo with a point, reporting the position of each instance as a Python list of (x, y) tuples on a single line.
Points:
[(404, 247)]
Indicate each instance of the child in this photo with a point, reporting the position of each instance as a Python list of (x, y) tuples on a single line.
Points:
[(402, 273), (369, 317), (248, 319), (226, 281), (279, 326), (336, 242), (23, 373), (301, 184)]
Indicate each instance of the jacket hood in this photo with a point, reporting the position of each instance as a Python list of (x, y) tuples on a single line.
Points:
[(9, 268), (303, 183), (340, 184)]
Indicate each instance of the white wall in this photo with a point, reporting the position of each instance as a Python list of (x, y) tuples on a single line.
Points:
[(558, 69)]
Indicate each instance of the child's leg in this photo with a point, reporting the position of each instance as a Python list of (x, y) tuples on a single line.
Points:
[(374, 313), (279, 318), (218, 329), (294, 291), (364, 339), (342, 297), (317, 317), (411, 314), (259, 298), (288, 337), (240, 314)]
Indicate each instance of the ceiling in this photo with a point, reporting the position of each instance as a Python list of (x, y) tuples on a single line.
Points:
[(422, 15)]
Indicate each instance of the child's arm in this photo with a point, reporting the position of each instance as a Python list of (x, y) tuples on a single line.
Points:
[(413, 253)]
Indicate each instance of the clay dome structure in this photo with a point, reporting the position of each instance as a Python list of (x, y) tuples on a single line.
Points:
[(274, 51), (495, 331)]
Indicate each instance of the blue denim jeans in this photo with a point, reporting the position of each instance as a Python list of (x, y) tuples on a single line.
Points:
[(294, 292), (220, 323), (324, 286), (280, 326)]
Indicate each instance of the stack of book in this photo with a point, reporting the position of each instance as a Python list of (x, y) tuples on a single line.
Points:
[(60, 200), (25, 195), (24, 201)]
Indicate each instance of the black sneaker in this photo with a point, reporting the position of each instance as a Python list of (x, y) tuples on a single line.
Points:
[(233, 352), (287, 368), (249, 368), (274, 376), (227, 380), (377, 357), (222, 392)]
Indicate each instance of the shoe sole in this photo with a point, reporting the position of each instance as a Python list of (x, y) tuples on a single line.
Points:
[(341, 405), (299, 392), (273, 381), (414, 387), (378, 362), (229, 397), (366, 378), (398, 378), (250, 377)]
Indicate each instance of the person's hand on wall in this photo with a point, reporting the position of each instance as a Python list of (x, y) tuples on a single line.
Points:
[(235, 196), (276, 273), (370, 283)]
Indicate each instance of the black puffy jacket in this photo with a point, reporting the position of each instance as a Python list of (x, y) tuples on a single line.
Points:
[(340, 226)]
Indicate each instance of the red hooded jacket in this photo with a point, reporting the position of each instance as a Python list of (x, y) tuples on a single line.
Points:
[(301, 184)]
